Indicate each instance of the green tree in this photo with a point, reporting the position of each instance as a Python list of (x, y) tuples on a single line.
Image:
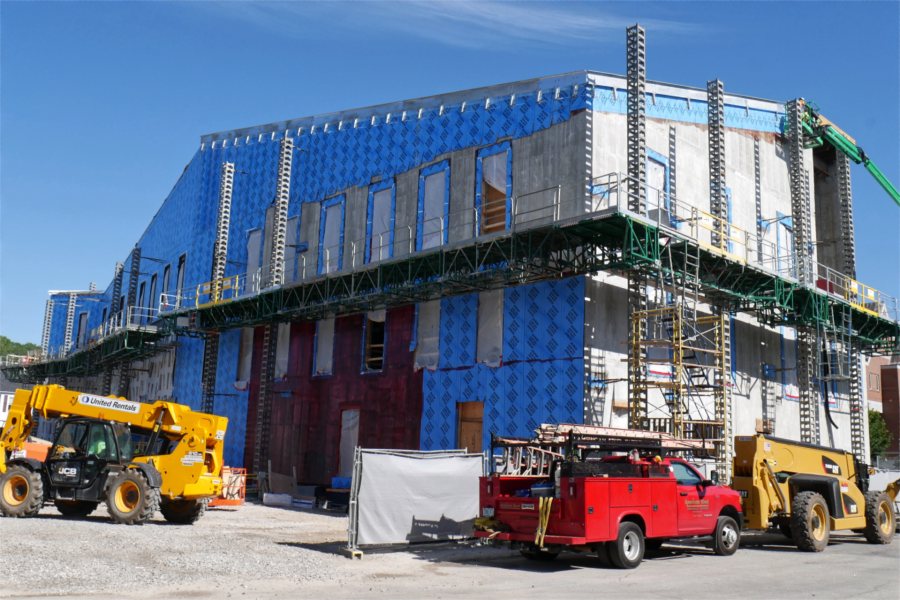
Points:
[(879, 435), (7, 346)]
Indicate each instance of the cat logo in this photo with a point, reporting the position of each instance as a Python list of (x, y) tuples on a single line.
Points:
[(830, 467)]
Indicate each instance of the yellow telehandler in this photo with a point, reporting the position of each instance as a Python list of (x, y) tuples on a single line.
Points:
[(808, 491), (136, 457)]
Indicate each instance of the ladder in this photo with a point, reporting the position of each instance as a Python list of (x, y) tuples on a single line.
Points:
[(264, 400)]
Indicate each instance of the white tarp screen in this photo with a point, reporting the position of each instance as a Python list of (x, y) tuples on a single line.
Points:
[(400, 497)]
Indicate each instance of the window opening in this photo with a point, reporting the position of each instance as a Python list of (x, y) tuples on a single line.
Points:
[(375, 336)]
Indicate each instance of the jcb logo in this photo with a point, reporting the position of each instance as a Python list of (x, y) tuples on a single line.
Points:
[(68, 471)]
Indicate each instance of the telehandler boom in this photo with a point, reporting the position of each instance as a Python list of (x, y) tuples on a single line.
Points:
[(132, 455)]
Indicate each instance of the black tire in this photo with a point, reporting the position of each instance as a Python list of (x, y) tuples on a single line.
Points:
[(810, 522), (183, 512), (785, 528), (653, 545), (75, 508), (880, 518), (603, 554), (21, 492), (130, 499), (727, 537), (627, 551)]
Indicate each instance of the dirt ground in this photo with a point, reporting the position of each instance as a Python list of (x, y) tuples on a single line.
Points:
[(263, 552)]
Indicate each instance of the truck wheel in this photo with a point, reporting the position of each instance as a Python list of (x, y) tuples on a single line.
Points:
[(183, 512), (880, 518), (75, 508), (130, 499), (810, 522), (628, 549), (21, 492), (727, 537)]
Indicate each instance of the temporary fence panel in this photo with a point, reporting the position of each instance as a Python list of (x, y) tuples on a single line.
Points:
[(405, 496)]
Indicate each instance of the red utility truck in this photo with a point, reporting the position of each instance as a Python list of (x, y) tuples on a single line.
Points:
[(586, 495)]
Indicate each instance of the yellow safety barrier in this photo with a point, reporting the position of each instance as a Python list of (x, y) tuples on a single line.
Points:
[(214, 292)]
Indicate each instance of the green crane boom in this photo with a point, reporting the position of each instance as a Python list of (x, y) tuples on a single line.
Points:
[(820, 130)]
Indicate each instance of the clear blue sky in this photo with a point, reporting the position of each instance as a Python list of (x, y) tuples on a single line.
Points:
[(102, 104)]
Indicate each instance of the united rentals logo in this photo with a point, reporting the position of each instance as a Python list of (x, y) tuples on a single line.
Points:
[(110, 403)]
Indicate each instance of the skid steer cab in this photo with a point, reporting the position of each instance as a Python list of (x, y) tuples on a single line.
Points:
[(133, 456)]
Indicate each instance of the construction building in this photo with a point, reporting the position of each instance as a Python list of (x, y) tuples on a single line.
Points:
[(584, 248)]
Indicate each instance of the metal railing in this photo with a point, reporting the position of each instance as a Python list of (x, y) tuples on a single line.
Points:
[(611, 193), (533, 209)]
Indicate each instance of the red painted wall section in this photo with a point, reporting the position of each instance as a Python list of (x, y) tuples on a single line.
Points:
[(306, 409)]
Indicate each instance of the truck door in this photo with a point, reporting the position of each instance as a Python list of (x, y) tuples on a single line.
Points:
[(693, 507)]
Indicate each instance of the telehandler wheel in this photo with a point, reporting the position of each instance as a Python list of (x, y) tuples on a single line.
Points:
[(810, 521), (628, 549), (75, 508), (727, 537), (785, 528), (880, 518), (183, 512), (21, 492), (130, 499)]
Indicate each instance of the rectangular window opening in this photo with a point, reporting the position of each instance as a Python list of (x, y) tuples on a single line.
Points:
[(375, 338), (331, 235), (179, 279), (434, 206), (494, 196), (324, 347), (489, 343), (167, 272), (380, 221), (152, 300), (282, 350), (81, 336), (245, 354)]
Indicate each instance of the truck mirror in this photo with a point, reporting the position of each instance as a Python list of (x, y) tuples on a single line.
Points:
[(714, 477)]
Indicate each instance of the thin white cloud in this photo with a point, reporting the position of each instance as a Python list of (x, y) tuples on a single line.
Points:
[(460, 23)]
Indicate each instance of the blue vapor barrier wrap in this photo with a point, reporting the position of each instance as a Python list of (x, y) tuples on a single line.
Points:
[(373, 189), (661, 106), (325, 206), (541, 378), (352, 153), (482, 154), (188, 372), (58, 325), (442, 166), (230, 401)]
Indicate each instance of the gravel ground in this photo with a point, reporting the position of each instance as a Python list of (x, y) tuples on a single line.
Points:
[(272, 553), (226, 549)]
